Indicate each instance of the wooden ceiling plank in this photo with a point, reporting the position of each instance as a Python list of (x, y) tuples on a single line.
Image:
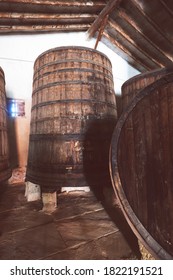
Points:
[(148, 29), (43, 28), (131, 49), (57, 2), (22, 18), (127, 40), (8, 15), (150, 20), (112, 4), (169, 3), (53, 6), (160, 55), (166, 7), (108, 40)]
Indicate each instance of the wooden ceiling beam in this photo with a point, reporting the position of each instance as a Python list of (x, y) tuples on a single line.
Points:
[(110, 42), (112, 4), (121, 50), (56, 2), (150, 20), (52, 6), (127, 19), (43, 16), (42, 28), (128, 41), (167, 7), (28, 18)]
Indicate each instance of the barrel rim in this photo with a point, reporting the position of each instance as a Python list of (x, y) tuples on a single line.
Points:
[(71, 48), (147, 74), (136, 226), (1, 70)]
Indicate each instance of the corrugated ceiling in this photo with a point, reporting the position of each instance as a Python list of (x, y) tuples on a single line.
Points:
[(140, 31)]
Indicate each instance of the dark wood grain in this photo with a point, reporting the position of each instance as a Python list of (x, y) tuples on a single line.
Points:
[(141, 165)]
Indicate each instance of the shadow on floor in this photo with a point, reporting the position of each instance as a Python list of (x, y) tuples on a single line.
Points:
[(108, 199)]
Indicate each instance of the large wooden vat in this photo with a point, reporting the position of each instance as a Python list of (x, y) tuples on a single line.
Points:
[(134, 85), (5, 171), (141, 166), (72, 119)]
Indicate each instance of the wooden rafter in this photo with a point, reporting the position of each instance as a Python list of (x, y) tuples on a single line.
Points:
[(129, 41), (101, 30), (38, 18), (112, 4), (150, 20), (42, 28), (133, 24), (108, 40), (54, 2), (52, 6)]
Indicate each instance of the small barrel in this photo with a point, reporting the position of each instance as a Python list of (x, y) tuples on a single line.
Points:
[(72, 118), (5, 170), (134, 85), (142, 169)]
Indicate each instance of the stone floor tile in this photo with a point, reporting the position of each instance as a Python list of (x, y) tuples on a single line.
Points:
[(86, 227), (32, 244), (19, 219)]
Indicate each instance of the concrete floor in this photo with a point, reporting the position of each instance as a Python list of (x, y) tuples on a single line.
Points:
[(83, 227)]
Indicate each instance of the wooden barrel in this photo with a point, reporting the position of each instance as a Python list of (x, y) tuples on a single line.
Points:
[(141, 166), (134, 85), (5, 171), (72, 118)]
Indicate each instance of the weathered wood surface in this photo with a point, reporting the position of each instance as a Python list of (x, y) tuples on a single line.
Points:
[(50, 16), (141, 38), (5, 171), (110, 6), (72, 119), (134, 85), (51, 6), (141, 166), (43, 28)]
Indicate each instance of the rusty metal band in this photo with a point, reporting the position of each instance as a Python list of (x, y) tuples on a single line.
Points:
[(38, 137), (73, 101), (66, 70), (55, 167), (72, 60), (66, 137), (80, 117), (77, 82), (60, 169)]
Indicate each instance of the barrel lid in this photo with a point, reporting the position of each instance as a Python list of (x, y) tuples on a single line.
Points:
[(71, 48), (140, 231)]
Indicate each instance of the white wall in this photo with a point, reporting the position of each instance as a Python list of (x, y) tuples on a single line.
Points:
[(18, 53)]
